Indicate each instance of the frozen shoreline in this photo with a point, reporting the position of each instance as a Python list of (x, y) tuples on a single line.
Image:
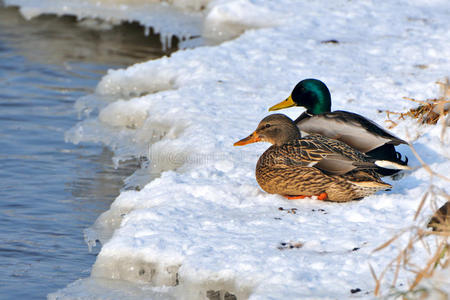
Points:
[(193, 22), (204, 224)]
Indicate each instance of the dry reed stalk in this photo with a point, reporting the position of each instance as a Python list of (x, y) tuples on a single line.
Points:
[(439, 254), (439, 258)]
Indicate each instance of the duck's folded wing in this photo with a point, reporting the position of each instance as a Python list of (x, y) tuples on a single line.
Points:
[(350, 128), (307, 152)]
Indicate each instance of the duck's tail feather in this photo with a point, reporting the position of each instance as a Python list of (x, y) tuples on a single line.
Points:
[(387, 153), (392, 165)]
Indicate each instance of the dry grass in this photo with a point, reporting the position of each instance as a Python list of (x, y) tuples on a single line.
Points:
[(432, 236), (436, 243), (429, 111)]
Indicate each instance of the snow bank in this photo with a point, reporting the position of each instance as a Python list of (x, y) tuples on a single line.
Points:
[(201, 225)]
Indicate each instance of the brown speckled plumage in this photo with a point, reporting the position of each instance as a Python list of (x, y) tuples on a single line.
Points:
[(312, 165), (291, 179)]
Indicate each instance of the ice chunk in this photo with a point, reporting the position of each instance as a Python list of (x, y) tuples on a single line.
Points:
[(101, 288), (188, 20), (128, 114), (226, 20), (138, 80), (182, 19), (135, 270)]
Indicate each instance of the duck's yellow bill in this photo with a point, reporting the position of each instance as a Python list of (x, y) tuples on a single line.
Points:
[(283, 104), (252, 138)]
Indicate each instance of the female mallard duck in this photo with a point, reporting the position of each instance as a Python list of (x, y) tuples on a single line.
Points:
[(350, 128), (298, 167)]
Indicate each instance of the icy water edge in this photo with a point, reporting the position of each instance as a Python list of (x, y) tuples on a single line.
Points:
[(52, 190)]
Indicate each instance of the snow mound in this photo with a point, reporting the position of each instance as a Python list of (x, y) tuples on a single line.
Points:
[(226, 20)]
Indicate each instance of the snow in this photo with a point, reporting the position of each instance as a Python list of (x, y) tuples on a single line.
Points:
[(198, 221)]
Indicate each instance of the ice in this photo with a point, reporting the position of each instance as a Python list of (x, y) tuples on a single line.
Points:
[(193, 22), (98, 288), (199, 225), (226, 20), (128, 114), (183, 19)]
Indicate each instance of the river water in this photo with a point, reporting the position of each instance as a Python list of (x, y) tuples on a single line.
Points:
[(50, 191)]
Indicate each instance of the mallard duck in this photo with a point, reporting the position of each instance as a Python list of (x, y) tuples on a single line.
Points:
[(350, 128), (315, 165)]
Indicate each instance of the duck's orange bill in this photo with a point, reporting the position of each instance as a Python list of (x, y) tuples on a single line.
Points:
[(252, 138)]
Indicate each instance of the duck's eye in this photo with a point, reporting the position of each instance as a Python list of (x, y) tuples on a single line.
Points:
[(267, 126)]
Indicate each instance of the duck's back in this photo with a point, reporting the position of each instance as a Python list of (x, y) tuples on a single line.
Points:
[(353, 129)]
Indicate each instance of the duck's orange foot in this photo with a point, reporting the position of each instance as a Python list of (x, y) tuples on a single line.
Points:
[(295, 197), (321, 196)]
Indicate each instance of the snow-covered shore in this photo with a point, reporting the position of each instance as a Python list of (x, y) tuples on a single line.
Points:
[(202, 223)]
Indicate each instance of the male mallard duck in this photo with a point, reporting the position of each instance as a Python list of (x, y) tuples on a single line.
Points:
[(298, 167), (350, 128)]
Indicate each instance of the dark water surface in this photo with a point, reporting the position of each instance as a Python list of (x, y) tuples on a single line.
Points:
[(51, 190)]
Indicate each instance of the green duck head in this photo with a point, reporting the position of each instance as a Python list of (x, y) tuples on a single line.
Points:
[(312, 94)]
